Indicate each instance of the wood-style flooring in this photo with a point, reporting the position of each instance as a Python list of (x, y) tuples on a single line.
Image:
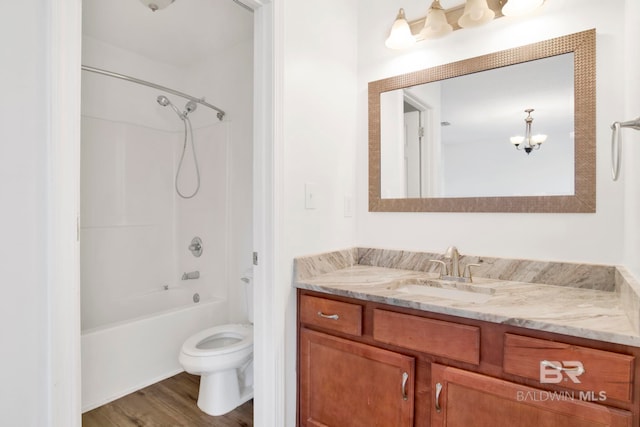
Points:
[(169, 403)]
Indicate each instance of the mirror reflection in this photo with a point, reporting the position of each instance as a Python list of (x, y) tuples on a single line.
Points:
[(455, 138), (465, 160)]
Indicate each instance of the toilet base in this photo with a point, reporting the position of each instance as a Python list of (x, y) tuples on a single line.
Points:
[(220, 392)]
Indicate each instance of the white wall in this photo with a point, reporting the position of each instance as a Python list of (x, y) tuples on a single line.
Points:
[(595, 237), (630, 173), (135, 229), (127, 215), (227, 78), (24, 147), (318, 133)]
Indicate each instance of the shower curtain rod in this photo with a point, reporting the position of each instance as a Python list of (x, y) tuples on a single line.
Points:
[(200, 101)]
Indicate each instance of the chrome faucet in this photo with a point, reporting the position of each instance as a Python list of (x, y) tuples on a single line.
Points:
[(191, 275), (454, 266), (452, 270)]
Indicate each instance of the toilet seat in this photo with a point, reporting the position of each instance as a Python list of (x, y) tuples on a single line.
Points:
[(243, 333)]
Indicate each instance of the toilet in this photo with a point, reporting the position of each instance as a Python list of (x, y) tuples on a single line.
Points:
[(223, 357)]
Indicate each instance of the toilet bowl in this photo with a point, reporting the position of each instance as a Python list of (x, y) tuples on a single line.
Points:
[(223, 357)]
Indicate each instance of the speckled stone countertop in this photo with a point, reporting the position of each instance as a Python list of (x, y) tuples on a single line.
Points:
[(606, 312)]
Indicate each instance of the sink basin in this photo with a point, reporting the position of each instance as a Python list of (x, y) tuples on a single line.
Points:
[(464, 292), (454, 294)]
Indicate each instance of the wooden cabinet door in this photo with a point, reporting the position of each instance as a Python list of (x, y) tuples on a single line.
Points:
[(348, 384), (470, 399)]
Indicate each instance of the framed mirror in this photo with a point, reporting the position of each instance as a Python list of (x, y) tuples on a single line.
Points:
[(454, 138)]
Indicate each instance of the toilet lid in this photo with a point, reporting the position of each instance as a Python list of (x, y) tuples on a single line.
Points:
[(219, 340)]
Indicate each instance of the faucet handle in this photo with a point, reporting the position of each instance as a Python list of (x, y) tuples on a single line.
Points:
[(467, 271), (443, 267)]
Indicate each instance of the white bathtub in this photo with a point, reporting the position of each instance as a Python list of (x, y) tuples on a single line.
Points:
[(143, 304), (120, 358)]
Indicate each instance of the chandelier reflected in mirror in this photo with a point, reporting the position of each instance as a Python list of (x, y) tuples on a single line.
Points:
[(528, 142)]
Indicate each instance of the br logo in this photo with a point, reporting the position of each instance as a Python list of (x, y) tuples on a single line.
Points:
[(552, 372)]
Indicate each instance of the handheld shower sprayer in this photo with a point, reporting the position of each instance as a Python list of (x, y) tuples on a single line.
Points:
[(191, 106), (164, 101)]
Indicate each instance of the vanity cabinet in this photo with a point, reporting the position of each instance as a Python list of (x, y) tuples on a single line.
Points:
[(347, 383), (463, 399), (364, 363), (344, 383)]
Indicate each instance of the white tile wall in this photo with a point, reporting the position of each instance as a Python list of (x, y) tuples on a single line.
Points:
[(135, 229)]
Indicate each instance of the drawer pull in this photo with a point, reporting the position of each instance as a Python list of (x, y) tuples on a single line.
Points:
[(328, 316), (405, 377), (438, 391), (577, 369)]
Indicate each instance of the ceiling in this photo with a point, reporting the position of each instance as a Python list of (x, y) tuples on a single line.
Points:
[(182, 34)]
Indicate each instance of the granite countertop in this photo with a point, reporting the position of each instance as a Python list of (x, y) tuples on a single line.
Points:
[(588, 313)]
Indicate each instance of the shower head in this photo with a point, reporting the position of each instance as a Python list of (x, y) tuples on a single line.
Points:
[(190, 107), (164, 101)]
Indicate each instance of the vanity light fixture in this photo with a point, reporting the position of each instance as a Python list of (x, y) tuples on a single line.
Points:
[(435, 24), (439, 22), (400, 36), (476, 13), (529, 142), (156, 4)]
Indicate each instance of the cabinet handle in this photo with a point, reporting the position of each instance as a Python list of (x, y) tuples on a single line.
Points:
[(328, 316), (405, 377), (577, 369), (438, 391)]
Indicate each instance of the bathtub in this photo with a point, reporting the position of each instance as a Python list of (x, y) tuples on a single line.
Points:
[(140, 305), (125, 356)]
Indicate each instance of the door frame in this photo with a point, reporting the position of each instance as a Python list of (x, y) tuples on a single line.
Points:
[(63, 300)]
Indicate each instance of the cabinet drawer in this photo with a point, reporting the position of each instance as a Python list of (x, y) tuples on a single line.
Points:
[(604, 371), (447, 339), (329, 314)]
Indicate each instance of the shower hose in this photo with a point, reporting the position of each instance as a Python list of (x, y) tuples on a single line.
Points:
[(187, 122)]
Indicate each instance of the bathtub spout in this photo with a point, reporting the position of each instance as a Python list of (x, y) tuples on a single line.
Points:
[(191, 275)]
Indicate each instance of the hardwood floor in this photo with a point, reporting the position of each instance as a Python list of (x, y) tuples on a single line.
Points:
[(169, 403)]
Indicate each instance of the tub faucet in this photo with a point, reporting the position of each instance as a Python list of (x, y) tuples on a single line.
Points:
[(191, 275)]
